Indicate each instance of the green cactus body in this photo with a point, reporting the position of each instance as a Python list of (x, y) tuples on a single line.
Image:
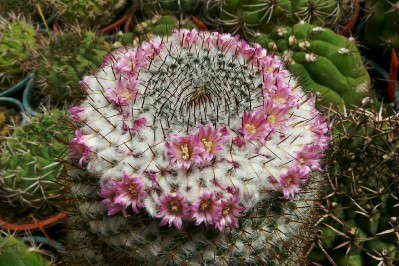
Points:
[(28, 163), (15, 252), (250, 16), (324, 61), (29, 8), (164, 7), (65, 60), (382, 24), (17, 42), (363, 174)]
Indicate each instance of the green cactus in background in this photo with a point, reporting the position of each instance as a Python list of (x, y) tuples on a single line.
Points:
[(187, 7), (14, 252), (360, 209), (64, 60), (250, 16), (17, 43), (325, 62), (382, 23), (29, 8), (28, 163)]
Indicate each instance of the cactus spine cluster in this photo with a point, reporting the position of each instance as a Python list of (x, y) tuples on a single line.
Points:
[(167, 7), (17, 43), (327, 63), (360, 207), (28, 166), (200, 146)]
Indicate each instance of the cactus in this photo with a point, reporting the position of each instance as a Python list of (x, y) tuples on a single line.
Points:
[(28, 166), (17, 43), (4, 117), (382, 22), (360, 207), (247, 17), (15, 252), (63, 61), (167, 7), (324, 61), (194, 149), (29, 8)]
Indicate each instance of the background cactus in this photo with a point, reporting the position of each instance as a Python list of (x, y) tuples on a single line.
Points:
[(17, 43), (165, 7), (217, 181), (248, 17), (360, 206), (63, 61), (29, 8), (28, 166), (382, 22), (15, 252), (325, 62)]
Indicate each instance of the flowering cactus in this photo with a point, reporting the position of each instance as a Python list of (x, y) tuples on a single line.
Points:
[(195, 130)]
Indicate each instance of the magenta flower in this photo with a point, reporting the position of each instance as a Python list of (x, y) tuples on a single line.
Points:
[(138, 124), (225, 39), (130, 62), (309, 157), (291, 182), (254, 126), (129, 191), (173, 209), (275, 116), (231, 210), (206, 209), (76, 113), (209, 141), (109, 193), (320, 128), (125, 91), (79, 149), (183, 151)]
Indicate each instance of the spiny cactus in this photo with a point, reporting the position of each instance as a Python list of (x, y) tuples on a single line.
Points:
[(63, 61), (28, 166), (360, 209), (164, 7), (196, 148), (250, 16), (14, 252), (17, 43), (29, 8), (382, 23), (4, 117), (324, 61)]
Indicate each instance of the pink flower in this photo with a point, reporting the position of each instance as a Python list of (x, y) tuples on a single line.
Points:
[(275, 116), (224, 40), (254, 126), (108, 192), (291, 182), (129, 191), (130, 62), (76, 113), (248, 51), (79, 149), (210, 141), (309, 157), (206, 209), (320, 128), (231, 210), (182, 151), (239, 142), (125, 91), (138, 124), (150, 49), (173, 209)]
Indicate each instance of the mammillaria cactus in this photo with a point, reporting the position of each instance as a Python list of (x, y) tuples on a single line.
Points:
[(325, 62), (360, 207), (63, 61), (195, 149), (17, 43), (28, 166)]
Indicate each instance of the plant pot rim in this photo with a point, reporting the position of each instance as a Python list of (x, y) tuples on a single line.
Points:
[(35, 226), (20, 85)]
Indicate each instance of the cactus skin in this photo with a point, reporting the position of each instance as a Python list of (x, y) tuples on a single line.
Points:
[(64, 61), (360, 207), (15, 252), (28, 170), (121, 134), (325, 62), (248, 17), (167, 7), (382, 23), (17, 43)]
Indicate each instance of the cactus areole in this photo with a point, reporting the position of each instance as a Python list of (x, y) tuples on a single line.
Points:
[(197, 128)]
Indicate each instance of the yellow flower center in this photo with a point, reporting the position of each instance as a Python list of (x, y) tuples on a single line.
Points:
[(226, 210), (250, 128), (288, 181), (205, 204), (301, 160), (208, 145), (185, 152), (272, 119), (133, 189), (126, 95), (279, 100), (174, 205)]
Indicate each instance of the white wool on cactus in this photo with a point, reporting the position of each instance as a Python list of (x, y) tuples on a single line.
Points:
[(195, 127)]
